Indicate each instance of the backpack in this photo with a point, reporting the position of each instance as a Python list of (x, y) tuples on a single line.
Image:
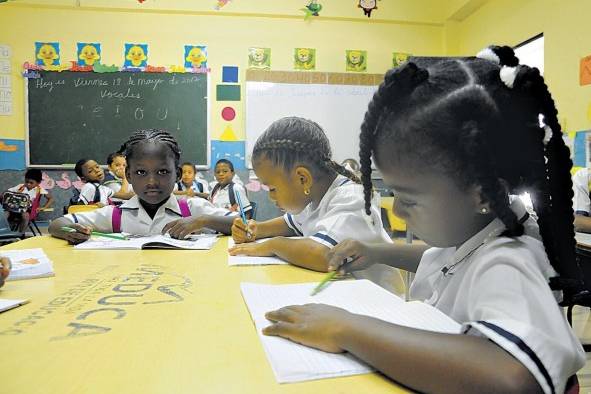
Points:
[(117, 213), (16, 202)]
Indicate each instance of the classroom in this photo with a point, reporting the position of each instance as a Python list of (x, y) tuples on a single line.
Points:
[(292, 196)]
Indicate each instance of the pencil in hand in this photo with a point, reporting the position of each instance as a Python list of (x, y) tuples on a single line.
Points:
[(120, 237)]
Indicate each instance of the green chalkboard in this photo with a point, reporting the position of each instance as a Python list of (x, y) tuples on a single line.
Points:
[(74, 115)]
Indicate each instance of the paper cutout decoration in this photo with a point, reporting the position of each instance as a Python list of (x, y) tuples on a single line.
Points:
[(47, 53), (585, 71), (195, 56), (255, 186), (368, 6), (259, 58), (228, 114), (220, 4), (136, 55), (398, 58), (304, 59), (228, 134), (46, 181), (12, 154), (231, 150), (356, 60), (312, 9), (89, 54), (230, 74), (228, 93)]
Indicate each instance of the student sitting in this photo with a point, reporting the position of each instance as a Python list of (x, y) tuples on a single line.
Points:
[(115, 178), (153, 157), (455, 138), (189, 185), (93, 192), (5, 267), (19, 218), (223, 194), (322, 200)]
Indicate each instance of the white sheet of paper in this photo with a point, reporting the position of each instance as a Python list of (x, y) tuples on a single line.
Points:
[(28, 264), (254, 260), (202, 242), (292, 362), (6, 304)]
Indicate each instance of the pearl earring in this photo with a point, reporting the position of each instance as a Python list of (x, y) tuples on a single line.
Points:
[(483, 211)]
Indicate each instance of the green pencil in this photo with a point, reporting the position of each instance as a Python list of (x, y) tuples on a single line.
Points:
[(323, 282), (97, 233)]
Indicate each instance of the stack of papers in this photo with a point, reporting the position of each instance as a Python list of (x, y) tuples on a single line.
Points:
[(253, 260), (292, 362), (195, 242), (28, 264)]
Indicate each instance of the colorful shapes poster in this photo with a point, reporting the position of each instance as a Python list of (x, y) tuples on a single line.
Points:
[(12, 154), (259, 58), (230, 74), (136, 55), (585, 71), (88, 53), (195, 56), (398, 58), (227, 93), (47, 53), (230, 150), (304, 59), (356, 60)]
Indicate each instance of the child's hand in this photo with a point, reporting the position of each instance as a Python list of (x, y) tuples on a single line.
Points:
[(81, 234), (314, 325), (349, 249), (252, 249), (190, 192), (242, 232), (180, 228), (5, 267)]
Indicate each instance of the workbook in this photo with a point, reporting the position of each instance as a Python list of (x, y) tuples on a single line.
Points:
[(28, 264), (292, 362), (254, 260), (9, 304), (194, 242)]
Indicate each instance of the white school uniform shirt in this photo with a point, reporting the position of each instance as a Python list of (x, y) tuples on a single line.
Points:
[(340, 215), (581, 200), (135, 219), (88, 190), (221, 198), (31, 193), (497, 288), (194, 186)]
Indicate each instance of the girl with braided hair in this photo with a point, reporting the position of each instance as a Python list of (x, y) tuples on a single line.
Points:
[(153, 169), (457, 139), (323, 202)]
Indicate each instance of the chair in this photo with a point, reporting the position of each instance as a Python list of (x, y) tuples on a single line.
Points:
[(6, 234), (33, 224), (394, 222), (253, 212)]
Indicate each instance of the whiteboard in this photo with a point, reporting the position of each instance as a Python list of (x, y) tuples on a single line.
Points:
[(338, 109)]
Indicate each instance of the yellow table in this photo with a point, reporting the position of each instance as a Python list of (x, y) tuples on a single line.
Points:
[(149, 321)]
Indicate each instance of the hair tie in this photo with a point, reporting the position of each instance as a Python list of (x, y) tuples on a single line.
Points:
[(508, 75), (488, 54), (547, 134)]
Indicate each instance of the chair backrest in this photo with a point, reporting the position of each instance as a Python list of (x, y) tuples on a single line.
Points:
[(82, 208), (253, 211)]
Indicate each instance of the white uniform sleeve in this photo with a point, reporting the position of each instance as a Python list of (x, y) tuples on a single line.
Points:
[(15, 188), (530, 326), (100, 219), (87, 193), (200, 206), (581, 201), (345, 219), (115, 186)]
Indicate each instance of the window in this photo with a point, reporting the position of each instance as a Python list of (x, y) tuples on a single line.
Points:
[(531, 52)]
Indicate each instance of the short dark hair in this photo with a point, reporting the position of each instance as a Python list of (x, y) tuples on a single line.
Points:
[(78, 167), (34, 174), (225, 161), (112, 156)]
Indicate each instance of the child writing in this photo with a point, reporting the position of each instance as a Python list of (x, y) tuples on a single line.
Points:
[(93, 191), (35, 193), (153, 157), (115, 178), (454, 139), (322, 200), (223, 194), (189, 185)]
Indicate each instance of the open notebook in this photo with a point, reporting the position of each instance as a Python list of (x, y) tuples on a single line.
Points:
[(292, 362), (194, 242), (28, 264), (255, 260)]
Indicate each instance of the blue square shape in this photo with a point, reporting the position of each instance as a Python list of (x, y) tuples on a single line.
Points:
[(230, 74)]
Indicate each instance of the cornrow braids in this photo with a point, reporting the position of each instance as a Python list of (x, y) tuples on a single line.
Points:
[(292, 140), (151, 135), (397, 83)]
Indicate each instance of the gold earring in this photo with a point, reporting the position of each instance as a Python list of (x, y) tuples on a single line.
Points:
[(307, 192)]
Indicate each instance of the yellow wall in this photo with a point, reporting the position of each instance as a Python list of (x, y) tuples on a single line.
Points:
[(228, 37), (566, 35)]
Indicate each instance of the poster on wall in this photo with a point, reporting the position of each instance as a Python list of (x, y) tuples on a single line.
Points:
[(195, 56), (398, 58), (304, 59), (356, 60), (88, 53), (259, 58), (47, 53), (136, 55)]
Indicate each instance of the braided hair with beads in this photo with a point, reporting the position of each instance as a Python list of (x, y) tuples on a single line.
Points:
[(478, 120), (293, 141)]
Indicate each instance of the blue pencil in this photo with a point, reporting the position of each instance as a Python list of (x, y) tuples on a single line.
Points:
[(241, 207)]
